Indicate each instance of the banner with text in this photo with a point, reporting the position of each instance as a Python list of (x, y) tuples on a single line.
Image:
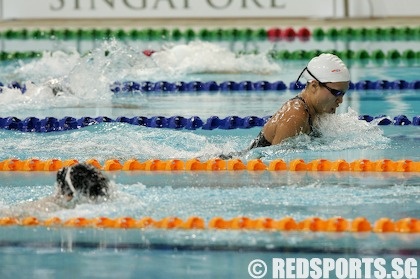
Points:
[(35, 9)]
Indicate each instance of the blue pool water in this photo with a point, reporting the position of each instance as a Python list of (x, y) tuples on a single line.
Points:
[(39, 252)]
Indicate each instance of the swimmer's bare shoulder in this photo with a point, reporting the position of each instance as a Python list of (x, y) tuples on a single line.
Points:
[(289, 121), (33, 208)]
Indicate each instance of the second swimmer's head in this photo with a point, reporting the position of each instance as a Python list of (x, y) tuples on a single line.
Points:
[(82, 180)]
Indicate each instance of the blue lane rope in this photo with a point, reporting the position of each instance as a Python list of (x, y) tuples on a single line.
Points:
[(119, 87), (246, 85), (52, 124)]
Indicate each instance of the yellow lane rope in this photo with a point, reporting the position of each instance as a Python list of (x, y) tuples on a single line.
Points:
[(362, 165), (312, 224)]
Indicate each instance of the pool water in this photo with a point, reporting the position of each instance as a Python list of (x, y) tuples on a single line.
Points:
[(41, 252)]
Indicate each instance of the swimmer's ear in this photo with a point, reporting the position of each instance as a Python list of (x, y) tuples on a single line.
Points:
[(313, 85), (68, 196)]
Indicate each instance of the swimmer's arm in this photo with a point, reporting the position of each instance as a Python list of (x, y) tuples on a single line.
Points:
[(36, 203), (289, 124), (28, 208)]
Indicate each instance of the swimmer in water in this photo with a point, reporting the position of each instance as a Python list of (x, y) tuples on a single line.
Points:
[(76, 184), (58, 87), (328, 80), (81, 180), (54, 87)]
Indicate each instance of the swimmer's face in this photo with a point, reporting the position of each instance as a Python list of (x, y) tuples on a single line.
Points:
[(327, 102)]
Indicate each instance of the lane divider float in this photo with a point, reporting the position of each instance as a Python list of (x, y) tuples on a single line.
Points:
[(121, 87), (312, 224), (362, 165), (404, 33), (394, 56), (247, 85), (52, 124)]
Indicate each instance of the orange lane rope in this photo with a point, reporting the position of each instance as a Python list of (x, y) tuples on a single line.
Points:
[(312, 224), (362, 165)]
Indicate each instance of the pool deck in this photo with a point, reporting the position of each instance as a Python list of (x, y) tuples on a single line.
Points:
[(215, 23)]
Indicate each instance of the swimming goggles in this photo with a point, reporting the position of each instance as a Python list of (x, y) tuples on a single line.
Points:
[(335, 92)]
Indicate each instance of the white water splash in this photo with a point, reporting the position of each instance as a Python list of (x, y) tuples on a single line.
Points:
[(345, 130), (343, 136), (51, 65), (60, 79), (108, 141), (115, 60), (204, 57)]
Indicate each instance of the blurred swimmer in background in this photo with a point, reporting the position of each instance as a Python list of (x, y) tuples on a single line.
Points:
[(76, 184)]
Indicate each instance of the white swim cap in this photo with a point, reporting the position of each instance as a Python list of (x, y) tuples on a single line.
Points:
[(327, 68)]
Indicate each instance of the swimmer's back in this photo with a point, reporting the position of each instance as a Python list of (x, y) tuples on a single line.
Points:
[(292, 119)]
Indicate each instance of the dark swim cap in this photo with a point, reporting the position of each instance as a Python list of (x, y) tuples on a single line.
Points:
[(83, 179)]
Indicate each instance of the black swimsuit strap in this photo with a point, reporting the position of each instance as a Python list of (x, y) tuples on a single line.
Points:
[(261, 141), (306, 109)]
